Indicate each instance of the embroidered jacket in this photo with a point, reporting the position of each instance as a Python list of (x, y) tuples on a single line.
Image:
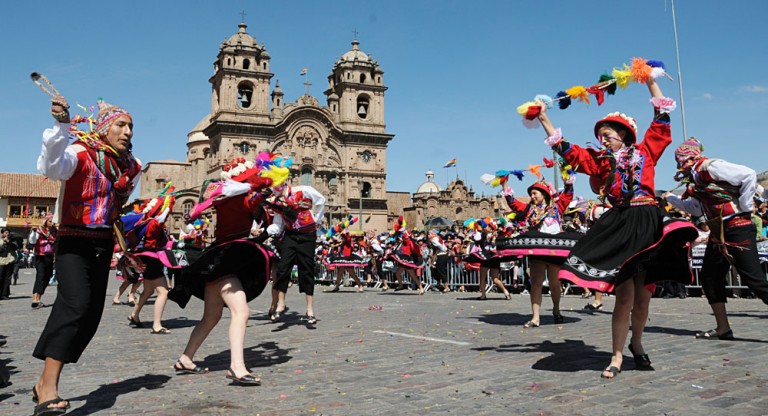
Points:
[(547, 218), (637, 172), (308, 203), (43, 241)]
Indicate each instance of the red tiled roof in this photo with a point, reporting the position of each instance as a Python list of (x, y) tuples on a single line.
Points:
[(28, 185)]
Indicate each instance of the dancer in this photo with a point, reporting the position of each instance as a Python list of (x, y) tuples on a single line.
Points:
[(723, 193), (233, 271), (440, 269), (545, 243), (298, 212), (346, 261), (407, 255), (99, 174), (634, 244), (149, 231), (43, 238), (485, 255)]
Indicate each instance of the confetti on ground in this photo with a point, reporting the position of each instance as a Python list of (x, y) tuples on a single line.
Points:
[(696, 386), (283, 396), (298, 371), (406, 376)]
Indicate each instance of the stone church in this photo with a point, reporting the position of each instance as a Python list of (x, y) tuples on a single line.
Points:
[(338, 148)]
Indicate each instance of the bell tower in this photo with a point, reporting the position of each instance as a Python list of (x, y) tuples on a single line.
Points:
[(356, 92), (241, 80)]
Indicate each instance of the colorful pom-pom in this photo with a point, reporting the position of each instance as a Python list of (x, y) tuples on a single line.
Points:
[(641, 72), (545, 99), (578, 92), (623, 76), (563, 100), (522, 109), (611, 87)]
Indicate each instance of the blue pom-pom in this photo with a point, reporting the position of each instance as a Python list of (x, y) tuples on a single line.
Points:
[(518, 173), (565, 101), (545, 98), (657, 64)]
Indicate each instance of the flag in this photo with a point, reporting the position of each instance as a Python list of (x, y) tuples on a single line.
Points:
[(451, 163), (303, 72)]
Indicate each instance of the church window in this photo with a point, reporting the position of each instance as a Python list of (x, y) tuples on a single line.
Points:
[(349, 75), (244, 94), (362, 78), (187, 207), (264, 65), (244, 147), (306, 176), (378, 80), (206, 151), (229, 61), (246, 63), (333, 108), (278, 102), (362, 106), (365, 191), (333, 180)]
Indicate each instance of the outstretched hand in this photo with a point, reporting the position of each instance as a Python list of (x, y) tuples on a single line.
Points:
[(60, 109)]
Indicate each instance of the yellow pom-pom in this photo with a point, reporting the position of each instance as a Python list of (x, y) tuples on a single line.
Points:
[(496, 181), (277, 174), (523, 108), (578, 92), (623, 76)]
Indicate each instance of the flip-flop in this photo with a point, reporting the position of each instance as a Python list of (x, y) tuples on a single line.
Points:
[(613, 370), (42, 409), (161, 331), (181, 370), (712, 334)]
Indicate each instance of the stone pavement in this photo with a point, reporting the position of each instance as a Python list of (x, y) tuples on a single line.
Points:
[(432, 354)]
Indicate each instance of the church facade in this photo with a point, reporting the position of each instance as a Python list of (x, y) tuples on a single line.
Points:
[(339, 148)]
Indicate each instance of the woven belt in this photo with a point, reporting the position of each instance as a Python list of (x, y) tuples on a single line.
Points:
[(738, 221), (98, 233)]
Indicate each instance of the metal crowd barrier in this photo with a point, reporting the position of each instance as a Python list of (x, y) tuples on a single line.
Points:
[(459, 276)]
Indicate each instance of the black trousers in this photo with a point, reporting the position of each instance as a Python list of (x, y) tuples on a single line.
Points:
[(6, 276), (44, 268), (82, 269), (440, 271), (745, 259), (297, 249)]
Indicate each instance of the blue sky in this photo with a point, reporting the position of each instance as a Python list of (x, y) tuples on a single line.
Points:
[(456, 71)]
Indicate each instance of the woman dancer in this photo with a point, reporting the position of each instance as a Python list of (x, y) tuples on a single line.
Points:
[(407, 255), (99, 174), (43, 238), (545, 244), (156, 254), (231, 272), (484, 255), (634, 244), (346, 261)]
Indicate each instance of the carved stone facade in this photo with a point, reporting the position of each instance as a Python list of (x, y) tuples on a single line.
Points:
[(339, 148)]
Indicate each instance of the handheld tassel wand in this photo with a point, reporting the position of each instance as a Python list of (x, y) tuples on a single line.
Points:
[(37, 77)]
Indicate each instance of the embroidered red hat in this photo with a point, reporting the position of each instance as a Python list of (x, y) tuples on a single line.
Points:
[(690, 149), (625, 121), (239, 170), (541, 187)]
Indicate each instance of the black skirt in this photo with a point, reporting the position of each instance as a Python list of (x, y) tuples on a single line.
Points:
[(626, 241)]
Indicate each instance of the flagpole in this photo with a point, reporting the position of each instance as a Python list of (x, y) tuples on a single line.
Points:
[(679, 71)]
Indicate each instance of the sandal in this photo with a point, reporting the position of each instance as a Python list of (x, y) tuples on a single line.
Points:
[(712, 334), (335, 289), (246, 380), (385, 288), (114, 302), (642, 361), (311, 320), (593, 307), (135, 322), (530, 324), (613, 370), (181, 370), (483, 297), (43, 408), (558, 318), (161, 331), (507, 296)]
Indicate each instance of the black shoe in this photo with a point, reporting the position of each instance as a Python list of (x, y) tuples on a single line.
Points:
[(642, 361), (593, 307), (246, 380), (558, 318)]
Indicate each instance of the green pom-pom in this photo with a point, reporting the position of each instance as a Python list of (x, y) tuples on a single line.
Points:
[(611, 89)]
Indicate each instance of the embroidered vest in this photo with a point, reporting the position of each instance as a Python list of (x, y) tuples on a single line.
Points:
[(717, 197)]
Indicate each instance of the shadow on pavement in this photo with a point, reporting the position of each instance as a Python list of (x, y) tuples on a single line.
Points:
[(105, 396), (265, 354), (567, 356), (516, 319)]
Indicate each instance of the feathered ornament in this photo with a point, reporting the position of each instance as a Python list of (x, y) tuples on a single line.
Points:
[(399, 225), (501, 177), (578, 92), (547, 100), (563, 100), (658, 69), (548, 163), (598, 92), (340, 227), (623, 76), (609, 82), (536, 170), (641, 71)]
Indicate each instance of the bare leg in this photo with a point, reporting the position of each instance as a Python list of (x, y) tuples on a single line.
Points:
[(640, 309), (120, 290), (483, 277), (538, 270), (497, 281), (47, 385), (149, 288), (721, 317), (414, 278), (132, 293), (231, 292), (555, 289), (162, 299), (310, 305), (212, 310), (353, 274), (625, 295)]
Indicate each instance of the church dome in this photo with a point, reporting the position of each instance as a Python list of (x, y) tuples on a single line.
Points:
[(355, 54), (196, 134), (240, 40), (429, 186)]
